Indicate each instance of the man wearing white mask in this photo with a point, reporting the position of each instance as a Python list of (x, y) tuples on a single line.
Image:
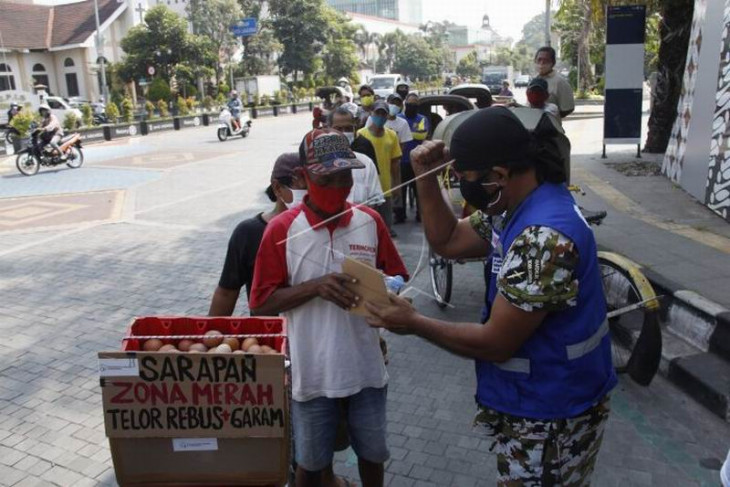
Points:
[(287, 190), (366, 187)]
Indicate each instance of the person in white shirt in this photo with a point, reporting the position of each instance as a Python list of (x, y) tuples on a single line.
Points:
[(560, 91), (335, 356), (366, 187)]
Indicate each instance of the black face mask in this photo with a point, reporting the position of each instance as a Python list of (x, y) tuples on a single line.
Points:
[(476, 194), (411, 110)]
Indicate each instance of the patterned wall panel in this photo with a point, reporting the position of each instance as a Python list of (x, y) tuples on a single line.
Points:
[(717, 196), (674, 156)]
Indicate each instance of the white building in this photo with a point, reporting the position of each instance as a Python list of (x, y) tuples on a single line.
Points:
[(54, 44), (407, 11), (484, 40)]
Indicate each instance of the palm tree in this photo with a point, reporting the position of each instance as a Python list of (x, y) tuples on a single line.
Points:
[(365, 41), (674, 31)]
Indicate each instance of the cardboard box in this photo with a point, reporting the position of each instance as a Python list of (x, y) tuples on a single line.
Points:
[(202, 419)]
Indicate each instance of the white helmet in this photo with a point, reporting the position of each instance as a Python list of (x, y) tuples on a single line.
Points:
[(343, 81), (44, 106)]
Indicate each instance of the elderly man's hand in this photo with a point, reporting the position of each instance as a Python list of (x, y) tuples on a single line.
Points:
[(429, 155), (398, 316)]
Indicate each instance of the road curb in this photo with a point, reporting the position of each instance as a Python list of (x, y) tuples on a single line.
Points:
[(696, 344)]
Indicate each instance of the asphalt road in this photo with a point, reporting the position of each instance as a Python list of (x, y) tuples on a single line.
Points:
[(142, 229)]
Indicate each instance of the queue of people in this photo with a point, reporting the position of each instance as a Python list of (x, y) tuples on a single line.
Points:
[(542, 349)]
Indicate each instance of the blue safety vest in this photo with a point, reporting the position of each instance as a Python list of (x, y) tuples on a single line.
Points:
[(565, 367)]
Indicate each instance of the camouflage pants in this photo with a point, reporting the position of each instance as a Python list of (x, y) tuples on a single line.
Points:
[(534, 453)]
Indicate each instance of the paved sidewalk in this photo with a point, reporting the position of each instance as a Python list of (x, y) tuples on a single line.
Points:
[(650, 220), (648, 439), (68, 293)]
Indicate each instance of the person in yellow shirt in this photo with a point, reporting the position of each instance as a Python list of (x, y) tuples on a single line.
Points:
[(388, 154)]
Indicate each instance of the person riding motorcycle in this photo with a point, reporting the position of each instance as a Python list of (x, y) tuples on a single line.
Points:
[(51, 129), (235, 105), (402, 89), (344, 83), (14, 110)]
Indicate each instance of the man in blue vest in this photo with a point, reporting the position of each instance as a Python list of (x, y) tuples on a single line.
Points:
[(543, 358)]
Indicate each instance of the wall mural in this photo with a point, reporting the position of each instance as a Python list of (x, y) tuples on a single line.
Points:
[(674, 156), (717, 196)]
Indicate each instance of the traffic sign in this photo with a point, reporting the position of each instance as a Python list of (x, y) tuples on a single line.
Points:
[(151, 70), (245, 27)]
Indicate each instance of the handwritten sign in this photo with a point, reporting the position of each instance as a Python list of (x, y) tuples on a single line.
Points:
[(195, 396)]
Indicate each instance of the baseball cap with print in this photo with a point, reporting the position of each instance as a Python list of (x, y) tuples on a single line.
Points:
[(380, 105), (327, 151)]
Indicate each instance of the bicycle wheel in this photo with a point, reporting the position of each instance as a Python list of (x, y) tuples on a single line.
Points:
[(633, 318), (441, 278)]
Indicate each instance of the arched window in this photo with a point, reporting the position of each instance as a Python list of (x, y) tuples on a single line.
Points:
[(40, 76), (72, 81), (7, 80)]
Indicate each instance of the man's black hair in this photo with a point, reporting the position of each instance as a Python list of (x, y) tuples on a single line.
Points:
[(286, 181), (548, 50), (366, 87), (339, 111)]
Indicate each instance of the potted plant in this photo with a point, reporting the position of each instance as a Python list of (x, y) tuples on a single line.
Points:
[(22, 122)]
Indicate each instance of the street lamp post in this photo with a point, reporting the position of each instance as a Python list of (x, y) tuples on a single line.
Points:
[(547, 22), (100, 53)]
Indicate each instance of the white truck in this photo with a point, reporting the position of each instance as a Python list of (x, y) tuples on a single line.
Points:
[(493, 76), (258, 86), (384, 84), (31, 101)]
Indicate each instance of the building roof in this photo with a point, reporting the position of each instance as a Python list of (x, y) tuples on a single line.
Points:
[(43, 27)]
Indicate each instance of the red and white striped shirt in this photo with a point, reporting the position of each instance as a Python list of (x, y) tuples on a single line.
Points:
[(334, 353)]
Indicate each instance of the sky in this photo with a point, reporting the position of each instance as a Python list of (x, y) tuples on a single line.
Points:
[(507, 16)]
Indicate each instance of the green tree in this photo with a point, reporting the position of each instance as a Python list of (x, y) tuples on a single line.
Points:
[(159, 89), (112, 112), (365, 41), (70, 121), (162, 108), (674, 32), (163, 41), (150, 109), (416, 58), (468, 66), (127, 110), (258, 52), (533, 33), (87, 115), (339, 56), (212, 19), (300, 26)]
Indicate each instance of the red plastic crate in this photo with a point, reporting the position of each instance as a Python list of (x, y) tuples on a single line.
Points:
[(172, 326)]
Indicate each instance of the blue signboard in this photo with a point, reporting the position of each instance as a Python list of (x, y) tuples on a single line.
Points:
[(245, 27)]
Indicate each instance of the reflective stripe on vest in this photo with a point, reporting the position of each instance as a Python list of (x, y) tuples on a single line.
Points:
[(574, 351), (515, 365), (587, 346)]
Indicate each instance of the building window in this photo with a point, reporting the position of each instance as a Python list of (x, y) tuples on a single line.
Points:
[(40, 76), (72, 84), (7, 80), (68, 63)]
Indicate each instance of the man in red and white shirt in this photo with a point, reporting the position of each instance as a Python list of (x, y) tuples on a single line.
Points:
[(336, 357)]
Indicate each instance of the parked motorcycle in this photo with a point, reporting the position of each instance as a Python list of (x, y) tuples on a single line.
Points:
[(227, 127), (11, 133), (37, 154)]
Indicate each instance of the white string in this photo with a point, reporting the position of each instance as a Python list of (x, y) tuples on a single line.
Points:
[(359, 205)]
